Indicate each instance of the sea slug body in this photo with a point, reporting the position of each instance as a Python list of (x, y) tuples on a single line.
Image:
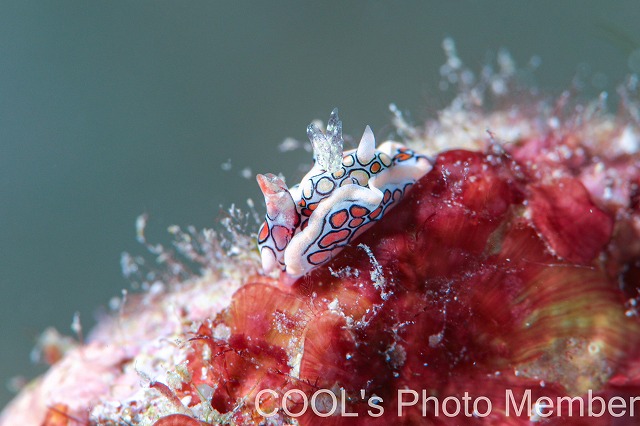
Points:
[(338, 199)]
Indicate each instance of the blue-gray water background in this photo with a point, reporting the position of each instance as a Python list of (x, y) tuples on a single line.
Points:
[(111, 109)]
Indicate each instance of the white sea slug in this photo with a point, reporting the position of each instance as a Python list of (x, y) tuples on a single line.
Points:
[(338, 199)]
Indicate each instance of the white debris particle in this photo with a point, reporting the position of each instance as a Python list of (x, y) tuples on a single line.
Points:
[(226, 166), (345, 272), (539, 411), (128, 265), (145, 379), (289, 144), (294, 363), (174, 380), (377, 275), (506, 63), (435, 339), (76, 326), (629, 142), (396, 355), (221, 332), (141, 223), (449, 47), (183, 371), (156, 288), (403, 127), (498, 86), (114, 304), (246, 173)]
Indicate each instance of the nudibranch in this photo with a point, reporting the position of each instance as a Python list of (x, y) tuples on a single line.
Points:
[(338, 199)]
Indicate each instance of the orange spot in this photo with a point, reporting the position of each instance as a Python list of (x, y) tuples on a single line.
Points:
[(358, 211), (281, 236), (334, 237), (402, 156), (375, 167), (319, 257), (387, 196), (302, 203), (374, 214), (356, 222), (312, 206), (306, 212), (264, 232), (338, 218), (58, 415)]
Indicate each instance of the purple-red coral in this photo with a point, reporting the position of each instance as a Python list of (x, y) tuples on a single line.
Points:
[(562, 210), (482, 280)]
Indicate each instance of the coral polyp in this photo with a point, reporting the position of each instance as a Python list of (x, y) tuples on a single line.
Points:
[(338, 199), (496, 284)]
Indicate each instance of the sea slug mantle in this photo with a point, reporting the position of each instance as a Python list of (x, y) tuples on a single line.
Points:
[(338, 199)]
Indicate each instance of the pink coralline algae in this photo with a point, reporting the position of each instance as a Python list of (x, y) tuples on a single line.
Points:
[(501, 289)]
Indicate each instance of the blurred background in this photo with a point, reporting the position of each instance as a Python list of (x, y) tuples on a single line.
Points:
[(111, 109)]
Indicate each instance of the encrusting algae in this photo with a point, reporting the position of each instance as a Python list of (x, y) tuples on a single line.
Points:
[(501, 288)]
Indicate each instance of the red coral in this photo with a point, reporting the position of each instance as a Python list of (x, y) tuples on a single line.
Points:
[(483, 279), (562, 210)]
